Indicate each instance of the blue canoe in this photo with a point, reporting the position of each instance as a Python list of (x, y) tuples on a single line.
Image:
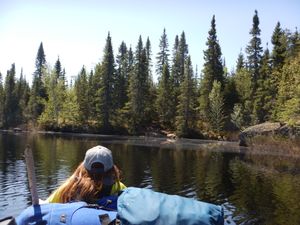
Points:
[(133, 206)]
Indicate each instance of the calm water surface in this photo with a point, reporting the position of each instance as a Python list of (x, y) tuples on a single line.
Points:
[(253, 188)]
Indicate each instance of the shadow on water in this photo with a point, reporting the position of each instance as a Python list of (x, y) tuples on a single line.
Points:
[(253, 187)]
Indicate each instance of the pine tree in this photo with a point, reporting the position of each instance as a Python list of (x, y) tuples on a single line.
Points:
[(185, 120), (51, 117), (38, 91), (122, 75), (288, 101), (163, 54), (82, 94), (216, 107), (254, 51), (139, 89), (22, 95), (1, 101), (175, 79), (183, 54), (70, 110), (10, 100), (242, 80), (91, 95), (279, 47), (213, 69), (240, 64), (58, 69), (164, 102), (151, 98), (104, 95), (263, 98)]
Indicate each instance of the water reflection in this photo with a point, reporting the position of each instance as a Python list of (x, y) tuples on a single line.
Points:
[(253, 188)]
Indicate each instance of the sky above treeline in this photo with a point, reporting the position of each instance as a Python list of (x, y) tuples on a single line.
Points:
[(76, 30)]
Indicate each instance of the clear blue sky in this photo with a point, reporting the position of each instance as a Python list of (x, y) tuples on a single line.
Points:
[(76, 30)]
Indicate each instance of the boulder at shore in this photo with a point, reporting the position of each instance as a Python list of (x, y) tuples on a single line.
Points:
[(267, 129)]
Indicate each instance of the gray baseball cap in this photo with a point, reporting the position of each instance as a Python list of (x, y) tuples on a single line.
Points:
[(98, 154)]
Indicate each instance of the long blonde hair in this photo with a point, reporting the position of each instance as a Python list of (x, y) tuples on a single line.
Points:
[(82, 187)]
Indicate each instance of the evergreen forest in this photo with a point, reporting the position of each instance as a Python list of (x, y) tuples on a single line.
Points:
[(119, 95)]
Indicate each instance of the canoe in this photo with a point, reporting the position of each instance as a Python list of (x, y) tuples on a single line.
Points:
[(134, 206)]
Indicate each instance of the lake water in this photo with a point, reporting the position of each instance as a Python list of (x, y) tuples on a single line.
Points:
[(253, 188)]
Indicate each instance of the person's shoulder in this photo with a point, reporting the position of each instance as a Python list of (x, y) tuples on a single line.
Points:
[(118, 186)]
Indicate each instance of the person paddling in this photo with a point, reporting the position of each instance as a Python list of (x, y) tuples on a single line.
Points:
[(94, 178)]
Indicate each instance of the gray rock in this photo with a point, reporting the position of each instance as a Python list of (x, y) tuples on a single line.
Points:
[(267, 129)]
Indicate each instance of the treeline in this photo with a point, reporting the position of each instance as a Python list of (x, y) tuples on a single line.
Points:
[(119, 95)]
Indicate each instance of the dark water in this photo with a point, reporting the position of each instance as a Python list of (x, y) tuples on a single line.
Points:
[(252, 188)]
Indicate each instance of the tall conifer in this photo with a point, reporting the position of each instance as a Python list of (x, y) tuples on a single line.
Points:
[(163, 54), (38, 91), (10, 99), (1, 101), (139, 89), (213, 69), (105, 93), (254, 51), (185, 120)]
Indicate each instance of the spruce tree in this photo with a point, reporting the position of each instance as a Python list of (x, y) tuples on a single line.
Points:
[(10, 100), (288, 101), (185, 120), (183, 54), (263, 96), (1, 101), (22, 95), (139, 91), (175, 78), (51, 117), (122, 75), (213, 69), (38, 91), (164, 102), (82, 94), (58, 69), (216, 107), (105, 93), (70, 110), (254, 51), (279, 47), (163, 54), (240, 64)]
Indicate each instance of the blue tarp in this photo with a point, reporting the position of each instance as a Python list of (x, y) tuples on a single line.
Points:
[(144, 206)]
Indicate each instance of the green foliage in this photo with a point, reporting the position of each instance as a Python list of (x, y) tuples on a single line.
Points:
[(263, 98), (254, 51), (237, 116), (216, 107), (164, 101), (213, 69), (51, 116), (122, 76), (122, 97), (10, 99), (162, 55), (105, 91), (82, 93), (1, 101), (279, 47), (186, 109), (139, 91), (38, 91), (22, 95), (288, 100), (243, 87)]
